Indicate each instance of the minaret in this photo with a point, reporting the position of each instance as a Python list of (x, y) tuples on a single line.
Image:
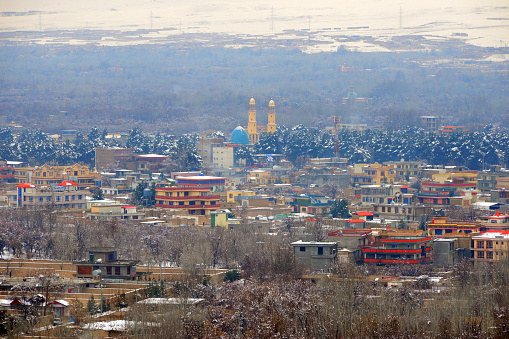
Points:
[(251, 125), (271, 125)]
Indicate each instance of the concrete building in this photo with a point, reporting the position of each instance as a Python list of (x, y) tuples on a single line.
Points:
[(315, 255), (223, 156), (445, 252), (372, 174), (112, 157), (109, 212), (432, 123), (64, 196), (490, 246), (385, 194), (105, 259)]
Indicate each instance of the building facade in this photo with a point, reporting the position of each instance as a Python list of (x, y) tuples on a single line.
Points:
[(490, 246), (315, 255), (194, 200), (399, 250)]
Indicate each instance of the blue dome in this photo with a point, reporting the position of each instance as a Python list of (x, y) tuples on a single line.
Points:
[(239, 136)]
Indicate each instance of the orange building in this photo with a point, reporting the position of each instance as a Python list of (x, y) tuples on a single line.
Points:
[(490, 246), (195, 200)]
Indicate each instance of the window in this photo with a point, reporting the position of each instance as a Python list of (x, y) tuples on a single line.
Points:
[(108, 270), (48, 199), (128, 270), (480, 255), (489, 244), (320, 250), (303, 249), (480, 244), (489, 255), (57, 198), (80, 197), (66, 198), (117, 270)]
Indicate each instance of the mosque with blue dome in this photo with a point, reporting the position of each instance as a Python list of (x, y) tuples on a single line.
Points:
[(242, 137)]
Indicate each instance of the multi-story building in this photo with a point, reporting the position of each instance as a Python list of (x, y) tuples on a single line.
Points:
[(311, 204), (231, 195), (65, 196), (385, 194), (487, 180), (205, 147), (315, 255), (114, 211), (490, 246), (214, 184), (442, 227), (461, 177), (224, 156), (372, 174), (405, 169), (435, 193), (399, 250), (105, 260), (112, 157), (432, 123), (401, 211), (150, 162), (47, 175), (8, 170), (445, 252), (195, 200), (497, 222)]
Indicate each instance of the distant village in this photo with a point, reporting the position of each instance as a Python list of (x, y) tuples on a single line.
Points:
[(327, 216)]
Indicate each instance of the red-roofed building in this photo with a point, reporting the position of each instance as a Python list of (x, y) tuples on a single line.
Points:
[(497, 222), (399, 250), (355, 223), (362, 215), (56, 197)]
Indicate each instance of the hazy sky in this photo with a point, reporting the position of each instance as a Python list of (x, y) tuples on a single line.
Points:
[(486, 21)]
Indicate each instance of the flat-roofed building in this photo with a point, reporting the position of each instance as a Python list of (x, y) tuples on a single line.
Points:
[(490, 246), (315, 255)]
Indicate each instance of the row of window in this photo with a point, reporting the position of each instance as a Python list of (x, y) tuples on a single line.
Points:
[(109, 270), (396, 209), (489, 255), (182, 203)]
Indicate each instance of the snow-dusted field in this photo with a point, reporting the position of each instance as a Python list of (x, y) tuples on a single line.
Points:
[(486, 22)]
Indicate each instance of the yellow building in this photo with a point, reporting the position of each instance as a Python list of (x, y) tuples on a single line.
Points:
[(371, 174), (254, 130), (467, 177), (251, 125), (231, 195), (47, 175), (271, 125)]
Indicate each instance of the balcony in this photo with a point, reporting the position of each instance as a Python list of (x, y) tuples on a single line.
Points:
[(188, 207), (193, 197)]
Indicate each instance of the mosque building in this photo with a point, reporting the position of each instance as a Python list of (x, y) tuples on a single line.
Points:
[(254, 130)]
